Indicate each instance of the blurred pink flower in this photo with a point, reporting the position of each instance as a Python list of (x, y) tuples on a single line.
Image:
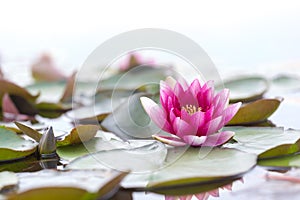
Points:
[(135, 60), (193, 114), (44, 69)]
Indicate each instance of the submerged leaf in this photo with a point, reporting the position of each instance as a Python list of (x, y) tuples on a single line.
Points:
[(255, 112)]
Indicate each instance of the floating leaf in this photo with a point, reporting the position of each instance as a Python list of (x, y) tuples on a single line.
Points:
[(281, 150), (68, 92), (105, 102), (130, 120), (51, 110), (185, 171), (94, 145), (135, 78), (284, 84), (50, 184), (34, 134), (7, 180), (13, 89), (255, 112), (193, 173), (23, 106), (282, 162), (136, 156), (246, 89), (79, 134), (14, 147), (261, 139)]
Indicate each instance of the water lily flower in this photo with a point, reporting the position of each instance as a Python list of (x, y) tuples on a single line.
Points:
[(193, 114), (135, 60), (44, 69)]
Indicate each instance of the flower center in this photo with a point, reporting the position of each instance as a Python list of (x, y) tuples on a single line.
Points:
[(191, 109)]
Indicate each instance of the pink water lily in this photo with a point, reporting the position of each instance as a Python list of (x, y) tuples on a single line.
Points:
[(193, 114)]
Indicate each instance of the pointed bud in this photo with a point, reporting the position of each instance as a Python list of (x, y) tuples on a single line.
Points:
[(47, 144)]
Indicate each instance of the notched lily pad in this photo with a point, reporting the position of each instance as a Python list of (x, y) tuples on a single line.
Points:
[(255, 112), (247, 89), (264, 141), (14, 147)]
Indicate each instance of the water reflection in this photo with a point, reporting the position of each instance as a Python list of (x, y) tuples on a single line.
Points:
[(203, 195)]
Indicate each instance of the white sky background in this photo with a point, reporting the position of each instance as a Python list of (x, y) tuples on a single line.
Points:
[(236, 34)]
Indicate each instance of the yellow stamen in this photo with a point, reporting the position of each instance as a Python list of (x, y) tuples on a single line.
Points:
[(191, 109)]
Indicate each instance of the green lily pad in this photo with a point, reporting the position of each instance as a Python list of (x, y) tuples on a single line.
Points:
[(247, 89), (193, 173), (105, 102), (282, 162), (8, 180), (264, 141), (284, 84), (13, 146), (130, 121), (184, 171), (79, 134), (255, 112), (92, 146), (50, 184), (51, 110), (135, 78)]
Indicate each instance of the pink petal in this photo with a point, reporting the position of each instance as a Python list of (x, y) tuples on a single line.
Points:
[(220, 101), (218, 138), (171, 82), (174, 141), (202, 196), (182, 128), (214, 193), (8, 106), (215, 124), (194, 140), (230, 111), (156, 113)]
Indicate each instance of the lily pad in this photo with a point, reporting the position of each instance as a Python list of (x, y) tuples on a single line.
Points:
[(51, 110), (50, 184), (282, 162), (13, 89), (255, 112), (92, 146), (259, 140), (79, 134), (13, 146), (130, 121), (104, 103), (187, 174), (247, 89), (135, 78)]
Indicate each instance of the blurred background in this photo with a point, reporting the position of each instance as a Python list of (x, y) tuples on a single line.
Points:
[(240, 36)]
